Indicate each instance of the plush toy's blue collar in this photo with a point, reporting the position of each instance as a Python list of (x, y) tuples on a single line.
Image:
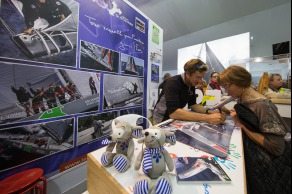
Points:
[(154, 150), (147, 162)]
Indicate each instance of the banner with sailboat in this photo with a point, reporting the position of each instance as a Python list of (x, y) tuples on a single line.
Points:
[(131, 65), (122, 92), (42, 32), (27, 143), (99, 58), (94, 127), (36, 93), (114, 25), (65, 65)]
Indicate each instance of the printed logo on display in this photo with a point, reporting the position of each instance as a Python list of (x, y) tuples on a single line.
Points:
[(206, 187), (232, 151), (115, 9), (227, 162), (140, 25), (54, 112), (111, 6)]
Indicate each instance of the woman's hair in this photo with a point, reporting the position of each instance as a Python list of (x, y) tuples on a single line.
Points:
[(213, 74), (272, 75), (235, 75), (194, 65)]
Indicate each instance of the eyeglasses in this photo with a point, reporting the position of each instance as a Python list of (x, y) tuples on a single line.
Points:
[(227, 86), (215, 76)]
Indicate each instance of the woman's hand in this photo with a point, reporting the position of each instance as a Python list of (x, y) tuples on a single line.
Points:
[(234, 117)]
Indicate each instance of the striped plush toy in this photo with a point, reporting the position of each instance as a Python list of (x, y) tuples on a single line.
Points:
[(154, 159), (121, 139)]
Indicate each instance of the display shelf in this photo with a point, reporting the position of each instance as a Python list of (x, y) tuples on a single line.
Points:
[(109, 180)]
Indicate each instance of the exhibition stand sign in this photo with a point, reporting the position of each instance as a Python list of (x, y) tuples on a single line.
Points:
[(68, 68)]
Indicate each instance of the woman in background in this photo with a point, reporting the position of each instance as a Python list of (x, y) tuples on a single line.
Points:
[(213, 85), (267, 151)]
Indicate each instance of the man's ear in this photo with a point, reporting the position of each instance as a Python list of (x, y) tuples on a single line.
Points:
[(170, 137)]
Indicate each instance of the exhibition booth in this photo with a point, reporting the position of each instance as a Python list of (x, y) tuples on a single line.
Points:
[(67, 75)]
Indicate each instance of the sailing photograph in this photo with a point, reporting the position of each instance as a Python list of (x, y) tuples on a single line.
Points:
[(98, 58), (39, 30), (131, 65), (154, 73), (33, 93), (94, 127), (122, 91), (23, 144)]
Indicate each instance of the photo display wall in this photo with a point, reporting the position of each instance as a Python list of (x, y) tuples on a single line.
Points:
[(68, 68)]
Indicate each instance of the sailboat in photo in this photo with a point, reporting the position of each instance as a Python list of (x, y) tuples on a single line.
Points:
[(100, 56), (79, 99), (45, 39), (131, 67)]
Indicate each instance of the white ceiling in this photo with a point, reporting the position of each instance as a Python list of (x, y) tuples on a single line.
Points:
[(181, 17)]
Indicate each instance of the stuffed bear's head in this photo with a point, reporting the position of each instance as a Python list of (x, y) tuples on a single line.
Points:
[(123, 131), (155, 137)]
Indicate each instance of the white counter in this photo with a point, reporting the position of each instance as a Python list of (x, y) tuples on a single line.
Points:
[(109, 180)]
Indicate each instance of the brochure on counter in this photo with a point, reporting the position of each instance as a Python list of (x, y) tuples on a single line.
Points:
[(199, 170), (214, 139)]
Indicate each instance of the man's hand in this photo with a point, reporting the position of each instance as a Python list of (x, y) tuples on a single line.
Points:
[(200, 85), (216, 118), (27, 31)]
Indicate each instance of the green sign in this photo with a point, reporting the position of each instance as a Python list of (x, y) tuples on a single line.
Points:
[(54, 112), (155, 35)]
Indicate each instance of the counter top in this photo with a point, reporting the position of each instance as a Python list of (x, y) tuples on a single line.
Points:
[(109, 180)]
